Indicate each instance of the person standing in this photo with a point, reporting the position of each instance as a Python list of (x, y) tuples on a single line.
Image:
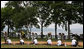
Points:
[(49, 35), (32, 36), (63, 38), (5, 37), (29, 35), (59, 36), (19, 34), (36, 36), (23, 34)]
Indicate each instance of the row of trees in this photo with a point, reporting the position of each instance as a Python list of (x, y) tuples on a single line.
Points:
[(41, 14)]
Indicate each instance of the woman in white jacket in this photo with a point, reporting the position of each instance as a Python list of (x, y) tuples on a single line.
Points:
[(59, 42), (49, 42), (9, 41), (35, 42), (74, 42), (21, 41)]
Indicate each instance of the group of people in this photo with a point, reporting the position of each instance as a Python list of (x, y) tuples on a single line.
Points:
[(9, 42), (62, 38), (60, 42), (49, 42)]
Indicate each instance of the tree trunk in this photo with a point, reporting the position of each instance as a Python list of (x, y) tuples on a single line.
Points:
[(30, 27), (68, 30), (55, 30), (27, 28), (8, 30), (42, 30)]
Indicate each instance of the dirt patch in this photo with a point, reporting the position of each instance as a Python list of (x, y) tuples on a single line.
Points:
[(43, 42)]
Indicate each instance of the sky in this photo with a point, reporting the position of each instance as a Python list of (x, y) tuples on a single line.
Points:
[(3, 3), (73, 26)]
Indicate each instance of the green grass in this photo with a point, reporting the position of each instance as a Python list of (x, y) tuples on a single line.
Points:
[(35, 46)]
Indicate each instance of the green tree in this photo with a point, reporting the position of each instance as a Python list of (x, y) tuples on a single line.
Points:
[(79, 5), (2, 19), (6, 14), (70, 15), (24, 15), (43, 14), (15, 5), (56, 14)]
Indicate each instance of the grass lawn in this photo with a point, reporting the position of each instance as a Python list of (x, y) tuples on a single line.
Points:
[(35, 46)]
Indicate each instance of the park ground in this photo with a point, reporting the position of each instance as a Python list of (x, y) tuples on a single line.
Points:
[(41, 44)]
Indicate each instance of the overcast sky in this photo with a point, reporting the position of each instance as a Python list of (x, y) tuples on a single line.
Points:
[(73, 26)]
